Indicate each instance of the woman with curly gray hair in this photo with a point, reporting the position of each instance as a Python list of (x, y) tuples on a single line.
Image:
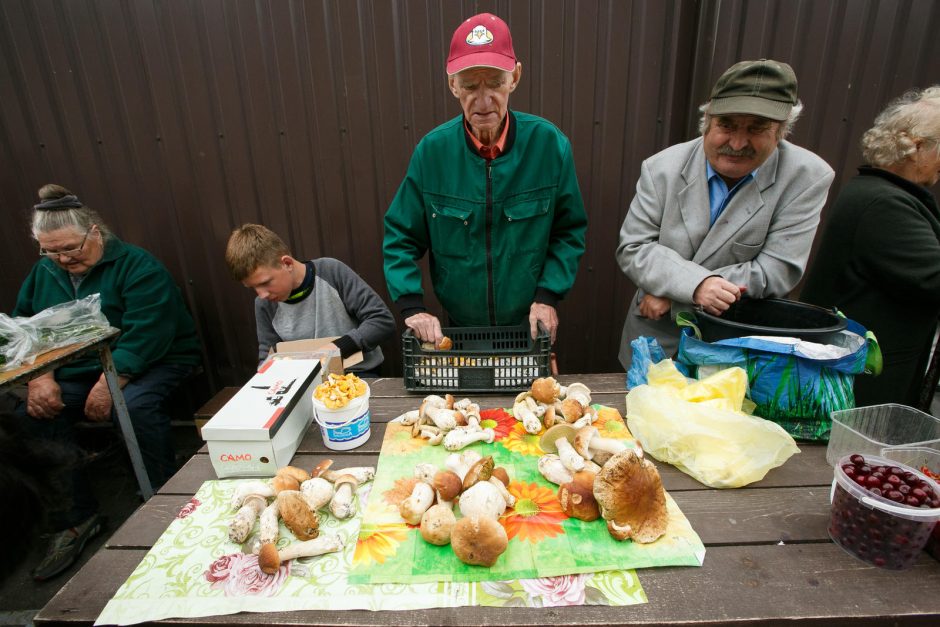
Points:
[(879, 259)]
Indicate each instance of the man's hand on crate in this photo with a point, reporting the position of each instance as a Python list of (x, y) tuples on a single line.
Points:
[(425, 326), (545, 316)]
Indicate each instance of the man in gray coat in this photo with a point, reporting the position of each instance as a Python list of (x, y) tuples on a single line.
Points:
[(731, 212)]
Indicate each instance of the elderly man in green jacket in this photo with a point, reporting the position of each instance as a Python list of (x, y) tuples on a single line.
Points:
[(492, 194)]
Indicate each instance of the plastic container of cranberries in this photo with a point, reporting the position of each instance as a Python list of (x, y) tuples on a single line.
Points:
[(867, 430), (875, 529), (920, 458)]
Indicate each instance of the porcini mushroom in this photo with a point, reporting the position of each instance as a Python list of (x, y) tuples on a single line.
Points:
[(559, 439), (447, 486), (362, 474), (437, 524), (461, 437), (587, 442), (297, 515), (284, 482), (269, 559), (317, 492), (425, 472), (299, 474), (413, 507), (571, 410), (577, 497), (460, 463), (524, 414), (269, 529), (553, 469), (545, 390), (630, 494), (481, 470), (343, 503), (482, 499), (244, 519), (443, 418), (580, 393), (321, 468), (244, 490), (478, 541)]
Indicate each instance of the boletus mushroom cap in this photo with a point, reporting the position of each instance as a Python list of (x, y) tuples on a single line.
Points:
[(545, 390), (630, 494), (268, 559), (297, 515), (437, 524), (577, 497), (478, 541), (561, 430), (481, 470)]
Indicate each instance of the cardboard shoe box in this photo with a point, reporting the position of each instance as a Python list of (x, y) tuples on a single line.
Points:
[(260, 428)]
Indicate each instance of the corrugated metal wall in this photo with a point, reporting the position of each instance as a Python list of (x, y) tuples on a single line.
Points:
[(179, 120)]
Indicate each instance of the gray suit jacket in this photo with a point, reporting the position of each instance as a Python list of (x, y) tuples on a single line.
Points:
[(762, 239)]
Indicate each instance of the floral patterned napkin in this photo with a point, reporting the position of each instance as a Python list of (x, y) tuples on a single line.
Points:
[(194, 570)]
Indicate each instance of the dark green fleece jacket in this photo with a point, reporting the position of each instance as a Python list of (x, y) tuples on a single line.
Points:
[(138, 296)]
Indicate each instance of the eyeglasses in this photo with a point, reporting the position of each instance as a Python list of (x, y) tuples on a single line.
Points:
[(67, 253)]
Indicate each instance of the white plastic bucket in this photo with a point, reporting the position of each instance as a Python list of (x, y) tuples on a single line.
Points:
[(347, 427)]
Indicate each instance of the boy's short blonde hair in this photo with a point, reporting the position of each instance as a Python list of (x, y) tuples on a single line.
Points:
[(252, 246)]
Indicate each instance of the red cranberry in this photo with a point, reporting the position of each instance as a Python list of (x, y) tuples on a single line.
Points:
[(895, 496), (894, 470), (861, 480), (912, 501), (857, 459), (865, 469), (873, 482), (849, 470), (894, 479), (919, 493)]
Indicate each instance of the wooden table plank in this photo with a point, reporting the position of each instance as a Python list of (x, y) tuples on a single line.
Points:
[(818, 584), (147, 524), (607, 382)]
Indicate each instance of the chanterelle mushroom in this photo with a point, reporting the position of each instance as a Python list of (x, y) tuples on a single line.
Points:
[(631, 497)]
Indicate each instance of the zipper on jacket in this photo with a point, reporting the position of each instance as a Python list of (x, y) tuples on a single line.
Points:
[(490, 289)]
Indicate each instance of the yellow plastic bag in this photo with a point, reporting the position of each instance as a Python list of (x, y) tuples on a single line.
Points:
[(700, 428)]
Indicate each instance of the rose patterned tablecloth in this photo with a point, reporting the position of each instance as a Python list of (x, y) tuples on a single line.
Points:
[(543, 541), (194, 570)]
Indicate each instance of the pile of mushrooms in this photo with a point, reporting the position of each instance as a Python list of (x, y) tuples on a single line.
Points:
[(625, 490), (479, 489), (297, 498), (546, 403), (456, 424)]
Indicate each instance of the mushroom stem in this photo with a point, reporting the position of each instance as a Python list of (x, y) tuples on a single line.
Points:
[(270, 558), (529, 420), (413, 507), (553, 469), (461, 437), (269, 528), (244, 519), (343, 504), (408, 418), (244, 490), (569, 456), (362, 474), (444, 419), (608, 445), (460, 464)]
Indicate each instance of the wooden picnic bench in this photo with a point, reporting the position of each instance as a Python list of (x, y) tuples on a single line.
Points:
[(769, 558)]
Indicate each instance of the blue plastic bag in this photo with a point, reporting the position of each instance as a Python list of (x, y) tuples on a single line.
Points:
[(795, 391), (646, 352)]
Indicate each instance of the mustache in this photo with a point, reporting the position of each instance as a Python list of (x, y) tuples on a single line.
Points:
[(728, 151)]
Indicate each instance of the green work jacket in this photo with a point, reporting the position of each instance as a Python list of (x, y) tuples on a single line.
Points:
[(138, 296), (501, 234)]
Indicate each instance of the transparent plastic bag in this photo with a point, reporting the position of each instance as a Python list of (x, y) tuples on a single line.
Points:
[(23, 339), (700, 428)]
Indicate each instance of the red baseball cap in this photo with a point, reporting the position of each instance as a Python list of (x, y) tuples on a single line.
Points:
[(481, 41)]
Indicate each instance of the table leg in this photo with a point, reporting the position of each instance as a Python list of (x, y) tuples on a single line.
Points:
[(124, 421)]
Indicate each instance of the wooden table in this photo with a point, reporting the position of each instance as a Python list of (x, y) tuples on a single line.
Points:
[(769, 559), (50, 360)]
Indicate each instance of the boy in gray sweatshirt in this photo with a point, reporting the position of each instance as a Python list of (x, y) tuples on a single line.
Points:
[(299, 300)]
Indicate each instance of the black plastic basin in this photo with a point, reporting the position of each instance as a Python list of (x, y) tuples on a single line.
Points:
[(771, 316)]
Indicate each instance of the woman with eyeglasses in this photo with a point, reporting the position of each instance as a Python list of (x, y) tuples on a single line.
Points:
[(156, 351)]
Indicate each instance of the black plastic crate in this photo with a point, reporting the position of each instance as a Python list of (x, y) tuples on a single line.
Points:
[(482, 359)]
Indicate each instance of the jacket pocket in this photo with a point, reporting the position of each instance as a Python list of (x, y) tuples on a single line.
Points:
[(449, 226), (528, 221), (745, 252)]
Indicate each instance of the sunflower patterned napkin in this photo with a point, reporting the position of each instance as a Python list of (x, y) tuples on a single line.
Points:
[(543, 541)]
